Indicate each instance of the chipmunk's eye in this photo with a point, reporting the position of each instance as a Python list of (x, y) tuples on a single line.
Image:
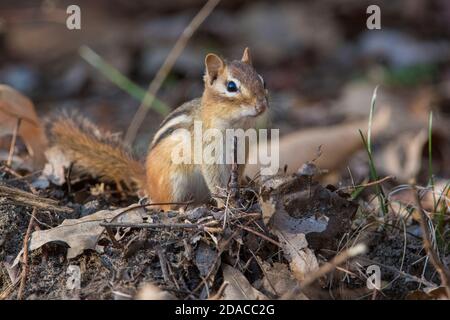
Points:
[(231, 86)]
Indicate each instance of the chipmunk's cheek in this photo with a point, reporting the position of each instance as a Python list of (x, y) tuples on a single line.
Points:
[(248, 111)]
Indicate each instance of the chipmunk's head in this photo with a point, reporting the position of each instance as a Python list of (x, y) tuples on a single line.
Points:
[(234, 90)]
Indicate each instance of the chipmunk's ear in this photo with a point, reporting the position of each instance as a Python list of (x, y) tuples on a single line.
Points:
[(246, 56), (214, 66)]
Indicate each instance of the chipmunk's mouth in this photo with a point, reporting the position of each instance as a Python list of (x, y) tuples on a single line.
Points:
[(260, 108), (249, 111)]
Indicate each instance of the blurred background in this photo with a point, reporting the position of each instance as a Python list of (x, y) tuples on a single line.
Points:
[(319, 60)]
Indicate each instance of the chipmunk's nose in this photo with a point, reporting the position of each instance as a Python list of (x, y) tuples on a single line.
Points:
[(262, 105)]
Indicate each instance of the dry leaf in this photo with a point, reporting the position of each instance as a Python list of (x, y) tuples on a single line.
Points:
[(151, 292), (14, 106), (53, 169), (81, 234), (238, 287), (278, 280), (338, 143), (428, 294), (205, 257), (205, 260), (402, 158), (403, 198), (295, 247), (304, 216)]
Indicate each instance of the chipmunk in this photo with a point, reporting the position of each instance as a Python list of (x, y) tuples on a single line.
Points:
[(234, 95)]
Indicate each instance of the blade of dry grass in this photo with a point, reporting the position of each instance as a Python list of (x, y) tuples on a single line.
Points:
[(326, 268), (442, 270), (162, 73), (13, 142), (120, 80)]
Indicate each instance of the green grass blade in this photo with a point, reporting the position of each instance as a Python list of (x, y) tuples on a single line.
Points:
[(430, 158), (368, 146), (120, 80), (372, 108)]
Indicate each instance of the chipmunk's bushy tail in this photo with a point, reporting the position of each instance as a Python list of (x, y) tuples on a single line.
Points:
[(99, 153)]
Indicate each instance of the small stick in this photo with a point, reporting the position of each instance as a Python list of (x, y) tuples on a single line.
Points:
[(264, 272), (11, 172), (13, 142), (223, 247), (151, 225), (149, 205), (400, 273), (28, 199), (114, 241), (259, 235), (174, 280), (369, 184), (234, 179), (162, 73), (325, 269), (24, 274), (5, 294), (19, 178), (163, 263), (219, 292), (444, 273)]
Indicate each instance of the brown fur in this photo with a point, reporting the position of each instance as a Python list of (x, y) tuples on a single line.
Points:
[(164, 182), (97, 152)]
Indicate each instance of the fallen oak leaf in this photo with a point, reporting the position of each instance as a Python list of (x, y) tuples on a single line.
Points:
[(82, 234), (278, 280), (207, 262), (337, 144), (14, 106), (239, 288), (152, 292), (302, 260), (403, 156), (54, 169), (25, 198), (304, 216)]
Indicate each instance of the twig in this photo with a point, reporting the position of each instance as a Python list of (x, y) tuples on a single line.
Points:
[(152, 225), (28, 199), (219, 292), (23, 279), (11, 172), (399, 272), (148, 205), (264, 272), (113, 239), (13, 142), (172, 275), (162, 73), (5, 294), (163, 263), (444, 273), (325, 269), (259, 235), (369, 184), (121, 81), (223, 247), (19, 178), (234, 178)]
